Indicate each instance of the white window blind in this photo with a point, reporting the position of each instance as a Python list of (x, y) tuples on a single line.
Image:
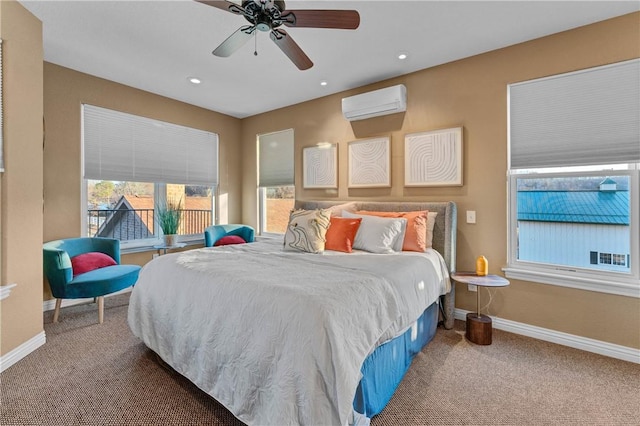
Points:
[(275, 159), (125, 147), (581, 118)]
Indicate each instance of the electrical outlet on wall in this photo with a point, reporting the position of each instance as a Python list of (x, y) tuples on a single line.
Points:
[(154, 255), (471, 287), (471, 216)]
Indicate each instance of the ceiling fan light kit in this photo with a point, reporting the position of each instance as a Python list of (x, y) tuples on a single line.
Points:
[(270, 15)]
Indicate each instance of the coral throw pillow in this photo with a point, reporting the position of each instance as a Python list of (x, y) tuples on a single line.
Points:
[(415, 238), (229, 239), (342, 233), (89, 261)]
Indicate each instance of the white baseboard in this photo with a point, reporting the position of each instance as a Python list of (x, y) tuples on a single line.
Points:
[(50, 305), (10, 358), (40, 339), (35, 342), (578, 342)]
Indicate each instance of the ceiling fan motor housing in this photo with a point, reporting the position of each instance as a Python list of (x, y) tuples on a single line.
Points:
[(265, 15)]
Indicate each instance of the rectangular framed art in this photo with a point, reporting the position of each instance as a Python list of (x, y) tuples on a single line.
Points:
[(320, 166), (370, 163), (433, 158)]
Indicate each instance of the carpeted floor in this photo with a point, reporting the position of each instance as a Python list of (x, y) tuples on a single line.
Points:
[(90, 374)]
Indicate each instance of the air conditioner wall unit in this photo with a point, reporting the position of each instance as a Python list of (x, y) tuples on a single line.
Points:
[(389, 100)]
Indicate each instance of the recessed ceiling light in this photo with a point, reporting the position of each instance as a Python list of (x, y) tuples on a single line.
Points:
[(195, 80), (323, 83), (402, 56)]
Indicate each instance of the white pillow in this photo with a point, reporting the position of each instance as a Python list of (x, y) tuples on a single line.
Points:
[(379, 234)]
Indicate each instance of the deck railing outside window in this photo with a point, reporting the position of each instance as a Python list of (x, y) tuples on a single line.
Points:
[(126, 225)]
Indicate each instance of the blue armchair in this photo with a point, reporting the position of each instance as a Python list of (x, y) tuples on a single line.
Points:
[(215, 232), (95, 283)]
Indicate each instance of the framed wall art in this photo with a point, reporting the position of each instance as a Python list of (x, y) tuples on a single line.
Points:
[(320, 166), (433, 158), (370, 163)]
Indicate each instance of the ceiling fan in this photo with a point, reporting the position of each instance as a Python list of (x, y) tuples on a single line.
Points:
[(270, 15)]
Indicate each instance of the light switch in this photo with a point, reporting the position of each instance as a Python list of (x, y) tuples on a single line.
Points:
[(471, 216)]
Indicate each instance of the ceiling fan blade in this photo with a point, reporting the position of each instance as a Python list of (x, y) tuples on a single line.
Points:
[(235, 41), (229, 6), (307, 18), (291, 49)]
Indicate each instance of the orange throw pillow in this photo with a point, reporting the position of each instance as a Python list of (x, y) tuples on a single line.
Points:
[(415, 238), (341, 233)]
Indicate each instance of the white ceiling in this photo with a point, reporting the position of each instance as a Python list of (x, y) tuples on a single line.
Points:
[(157, 45)]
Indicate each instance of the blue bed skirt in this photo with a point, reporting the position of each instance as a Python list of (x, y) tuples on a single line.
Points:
[(383, 370)]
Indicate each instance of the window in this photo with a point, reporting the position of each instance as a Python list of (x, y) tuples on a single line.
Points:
[(605, 258), (276, 203), (132, 164), (618, 259), (276, 190), (610, 259), (574, 161), (125, 210)]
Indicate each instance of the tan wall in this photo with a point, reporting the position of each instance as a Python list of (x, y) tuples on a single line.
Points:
[(21, 183), (471, 93), (65, 91)]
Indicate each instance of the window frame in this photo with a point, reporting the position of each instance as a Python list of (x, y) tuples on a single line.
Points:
[(572, 124), (612, 282), (159, 195), (272, 179), (262, 212), (194, 173)]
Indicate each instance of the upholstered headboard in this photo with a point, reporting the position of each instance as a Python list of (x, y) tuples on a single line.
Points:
[(444, 230)]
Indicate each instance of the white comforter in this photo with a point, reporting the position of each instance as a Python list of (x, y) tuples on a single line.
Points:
[(279, 337)]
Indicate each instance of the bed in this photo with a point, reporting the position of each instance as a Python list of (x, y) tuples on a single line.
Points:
[(287, 337)]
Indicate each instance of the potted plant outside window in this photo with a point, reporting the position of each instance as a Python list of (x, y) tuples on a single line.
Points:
[(169, 217)]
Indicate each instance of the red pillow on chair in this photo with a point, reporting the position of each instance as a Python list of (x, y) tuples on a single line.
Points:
[(89, 261), (229, 239)]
